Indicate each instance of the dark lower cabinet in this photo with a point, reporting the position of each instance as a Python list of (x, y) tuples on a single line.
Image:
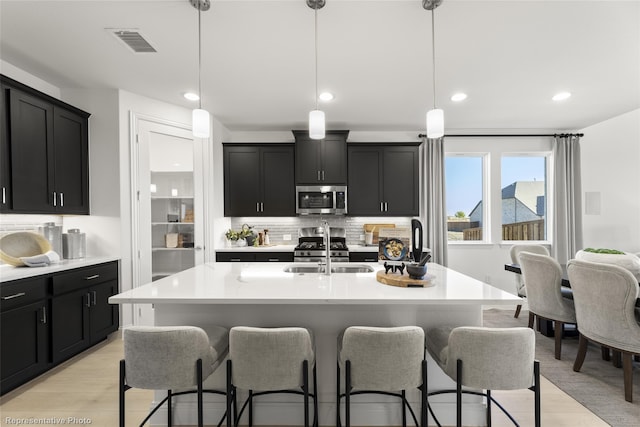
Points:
[(363, 256), (254, 256), (47, 319), (81, 313), (24, 332), (383, 180)]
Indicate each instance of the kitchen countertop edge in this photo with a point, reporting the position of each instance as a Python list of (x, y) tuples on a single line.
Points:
[(9, 273)]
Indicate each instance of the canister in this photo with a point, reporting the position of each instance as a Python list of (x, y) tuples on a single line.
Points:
[(53, 233), (74, 244)]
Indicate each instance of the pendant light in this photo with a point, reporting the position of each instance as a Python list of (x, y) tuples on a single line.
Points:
[(316, 117), (435, 116), (200, 118)]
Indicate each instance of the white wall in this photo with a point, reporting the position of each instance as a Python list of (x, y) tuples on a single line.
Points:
[(610, 153), (29, 79)]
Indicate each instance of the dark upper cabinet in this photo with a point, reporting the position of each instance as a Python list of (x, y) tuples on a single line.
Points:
[(383, 180), (259, 180), (45, 153), (321, 161)]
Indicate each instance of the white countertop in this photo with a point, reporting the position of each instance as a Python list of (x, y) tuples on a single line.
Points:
[(270, 248), (267, 283), (9, 272)]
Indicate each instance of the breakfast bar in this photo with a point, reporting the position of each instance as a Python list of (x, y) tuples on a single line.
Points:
[(267, 294)]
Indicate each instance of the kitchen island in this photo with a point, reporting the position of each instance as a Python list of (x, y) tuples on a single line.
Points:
[(263, 294)]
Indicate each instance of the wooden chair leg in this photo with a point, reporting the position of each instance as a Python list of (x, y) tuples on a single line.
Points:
[(617, 358), (606, 354), (636, 357), (582, 352), (558, 330), (531, 318), (518, 308), (627, 366)]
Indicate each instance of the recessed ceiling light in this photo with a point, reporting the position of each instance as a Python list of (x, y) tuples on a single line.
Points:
[(457, 97), (561, 96), (191, 96), (326, 96)]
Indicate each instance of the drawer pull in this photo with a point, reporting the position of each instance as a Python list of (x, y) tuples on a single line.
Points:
[(274, 259), (95, 276), (235, 260), (18, 295)]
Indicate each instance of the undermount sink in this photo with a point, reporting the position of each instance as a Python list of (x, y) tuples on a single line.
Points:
[(348, 268)]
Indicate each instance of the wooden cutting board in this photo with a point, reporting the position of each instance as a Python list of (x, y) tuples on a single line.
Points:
[(375, 228), (403, 280)]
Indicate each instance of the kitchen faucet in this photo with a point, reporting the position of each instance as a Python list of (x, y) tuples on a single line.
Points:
[(327, 246)]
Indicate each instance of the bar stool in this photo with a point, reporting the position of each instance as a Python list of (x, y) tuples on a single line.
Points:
[(170, 358), (486, 358), (268, 361), (385, 361)]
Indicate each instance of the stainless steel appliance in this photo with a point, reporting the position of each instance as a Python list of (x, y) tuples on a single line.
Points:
[(312, 248), (321, 199)]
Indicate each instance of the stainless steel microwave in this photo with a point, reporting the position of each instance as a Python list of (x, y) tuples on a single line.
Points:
[(321, 199)]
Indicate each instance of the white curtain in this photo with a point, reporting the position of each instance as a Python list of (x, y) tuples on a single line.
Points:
[(567, 229), (433, 203)]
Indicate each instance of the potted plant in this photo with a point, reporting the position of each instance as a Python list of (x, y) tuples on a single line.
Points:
[(241, 237), (627, 260)]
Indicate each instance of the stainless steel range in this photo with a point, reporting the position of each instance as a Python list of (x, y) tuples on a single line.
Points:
[(311, 246)]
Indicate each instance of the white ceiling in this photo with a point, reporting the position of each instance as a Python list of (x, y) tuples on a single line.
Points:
[(510, 57)]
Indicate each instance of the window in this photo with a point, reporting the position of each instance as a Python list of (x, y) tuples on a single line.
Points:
[(524, 197), (464, 180)]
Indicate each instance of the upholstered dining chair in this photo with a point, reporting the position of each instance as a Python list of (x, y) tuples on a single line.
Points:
[(171, 358), (271, 360), (382, 360), (605, 296), (486, 359), (543, 276), (514, 252)]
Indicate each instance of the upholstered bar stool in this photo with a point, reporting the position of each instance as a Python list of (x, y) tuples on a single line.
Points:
[(489, 359), (543, 277), (170, 358), (271, 360), (383, 361)]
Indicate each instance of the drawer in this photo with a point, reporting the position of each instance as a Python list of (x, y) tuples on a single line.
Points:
[(363, 256), (235, 256), (22, 292), (274, 257), (84, 277)]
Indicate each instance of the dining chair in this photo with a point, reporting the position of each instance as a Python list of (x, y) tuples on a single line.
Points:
[(543, 276), (605, 296), (514, 252)]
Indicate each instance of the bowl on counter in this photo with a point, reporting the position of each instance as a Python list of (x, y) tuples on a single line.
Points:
[(416, 271), (22, 244)]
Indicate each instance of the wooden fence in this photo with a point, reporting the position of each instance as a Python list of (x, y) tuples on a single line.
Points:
[(529, 230)]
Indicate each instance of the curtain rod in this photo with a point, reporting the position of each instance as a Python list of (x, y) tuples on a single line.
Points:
[(561, 135)]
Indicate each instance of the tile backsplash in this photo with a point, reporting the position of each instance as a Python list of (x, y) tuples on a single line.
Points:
[(13, 223), (279, 227)]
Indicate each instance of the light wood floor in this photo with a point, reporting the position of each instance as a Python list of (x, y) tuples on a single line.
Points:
[(84, 391)]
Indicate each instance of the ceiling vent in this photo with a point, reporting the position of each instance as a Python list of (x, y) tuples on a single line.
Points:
[(133, 39)]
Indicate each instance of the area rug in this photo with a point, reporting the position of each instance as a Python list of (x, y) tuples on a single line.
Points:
[(598, 386)]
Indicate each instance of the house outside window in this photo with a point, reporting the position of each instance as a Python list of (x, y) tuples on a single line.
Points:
[(465, 191)]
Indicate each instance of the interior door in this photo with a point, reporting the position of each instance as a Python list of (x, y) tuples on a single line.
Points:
[(169, 202)]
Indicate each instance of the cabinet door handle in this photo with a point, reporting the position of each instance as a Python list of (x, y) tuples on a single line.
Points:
[(257, 206), (18, 295), (61, 199), (43, 318), (55, 199), (261, 207), (386, 207), (95, 276), (323, 175), (4, 195), (318, 175), (381, 206), (94, 298), (88, 300)]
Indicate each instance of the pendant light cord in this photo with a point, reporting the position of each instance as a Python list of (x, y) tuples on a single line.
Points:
[(315, 10), (199, 59), (433, 53)]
